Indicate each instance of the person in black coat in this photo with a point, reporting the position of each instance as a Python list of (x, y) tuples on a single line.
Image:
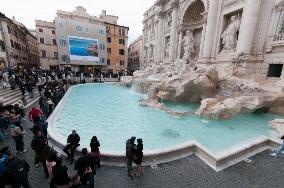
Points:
[(95, 144), (129, 154), (16, 173), (72, 143), (138, 156), (84, 164), (60, 174)]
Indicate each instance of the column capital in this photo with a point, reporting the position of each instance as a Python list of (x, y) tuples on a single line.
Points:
[(161, 14), (175, 4)]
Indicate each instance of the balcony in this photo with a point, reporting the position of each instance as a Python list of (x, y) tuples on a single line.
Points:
[(274, 41)]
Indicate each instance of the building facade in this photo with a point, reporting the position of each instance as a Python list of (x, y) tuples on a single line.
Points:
[(19, 43), (217, 32), (135, 56), (3, 53), (47, 45), (117, 39), (77, 30)]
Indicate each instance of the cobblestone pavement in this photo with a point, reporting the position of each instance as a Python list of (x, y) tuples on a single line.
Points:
[(263, 171)]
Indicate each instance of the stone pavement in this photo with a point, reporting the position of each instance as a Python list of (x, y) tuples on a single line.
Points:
[(263, 171)]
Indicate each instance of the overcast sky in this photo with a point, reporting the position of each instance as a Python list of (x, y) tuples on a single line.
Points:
[(129, 12)]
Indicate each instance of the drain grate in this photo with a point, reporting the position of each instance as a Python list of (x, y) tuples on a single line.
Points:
[(154, 166), (248, 160)]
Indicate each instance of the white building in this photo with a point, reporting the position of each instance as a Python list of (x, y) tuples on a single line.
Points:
[(47, 44), (81, 28), (221, 31)]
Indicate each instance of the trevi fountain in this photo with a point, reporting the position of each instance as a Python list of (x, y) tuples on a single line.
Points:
[(226, 55)]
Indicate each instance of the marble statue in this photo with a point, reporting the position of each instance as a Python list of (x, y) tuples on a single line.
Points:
[(167, 49), (187, 43), (229, 36)]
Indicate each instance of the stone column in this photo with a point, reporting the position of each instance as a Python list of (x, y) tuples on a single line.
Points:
[(173, 30), (160, 37), (179, 44), (210, 28), (248, 26)]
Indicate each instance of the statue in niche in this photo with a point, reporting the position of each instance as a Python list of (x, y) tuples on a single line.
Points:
[(187, 43), (152, 52), (229, 36), (167, 49), (169, 19)]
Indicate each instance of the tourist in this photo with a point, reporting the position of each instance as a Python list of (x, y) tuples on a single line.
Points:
[(22, 88), (138, 156), (44, 126), (43, 154), (12, 83), (95, 144), (51, 162), (4, 84), (72, 143), (38, 144), (83, 164), (17, 135), (279, 150), (4, 156), (129, 154), (60, 175), (17, 172), (2, 128), (35, 114), (76, 183)]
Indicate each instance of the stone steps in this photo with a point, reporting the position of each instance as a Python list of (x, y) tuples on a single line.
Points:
[(10, 97)]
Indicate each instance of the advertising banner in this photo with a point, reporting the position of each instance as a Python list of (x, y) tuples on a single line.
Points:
[(83, 49)]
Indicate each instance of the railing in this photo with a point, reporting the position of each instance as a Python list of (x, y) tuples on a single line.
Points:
[(277, 38)]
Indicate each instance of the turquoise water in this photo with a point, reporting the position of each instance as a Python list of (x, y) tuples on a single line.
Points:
[(113, 114)]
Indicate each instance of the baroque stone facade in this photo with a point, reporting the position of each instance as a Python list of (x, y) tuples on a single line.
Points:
[(217, 32)]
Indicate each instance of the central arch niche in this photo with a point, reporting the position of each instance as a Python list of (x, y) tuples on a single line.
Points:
[(193, 19)]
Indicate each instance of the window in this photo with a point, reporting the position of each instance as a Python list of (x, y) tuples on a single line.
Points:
[(54, 42), (121, 32), (64, 58), (52, 32), (62, 42), (9, 29), (275, 70), (41, 40), (12, 43), (102, 47), (107, 29), (24, 58), (109, 50), (2, 45), (109, 39), (102, 32), (79, 28), (43, 53), (55, 55), (108, 61), (121, 52), (122, 41), (102, 60), (87, 29), (121, 62), (61, 25), (40, 30)]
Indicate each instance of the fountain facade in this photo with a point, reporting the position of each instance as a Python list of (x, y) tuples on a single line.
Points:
[(213, 52)]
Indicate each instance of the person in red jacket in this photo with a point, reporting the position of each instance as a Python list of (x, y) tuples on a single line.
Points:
[(35, 114)]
